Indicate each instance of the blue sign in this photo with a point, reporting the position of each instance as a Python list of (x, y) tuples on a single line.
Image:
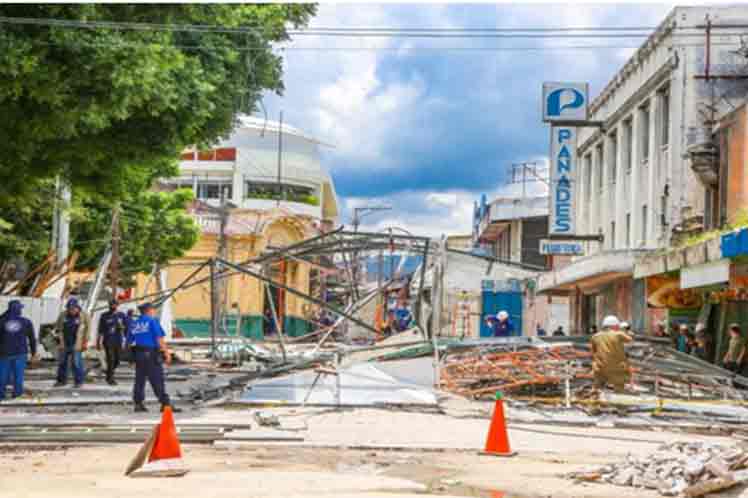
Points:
[(565, 102), (561, 248), (562, 180)]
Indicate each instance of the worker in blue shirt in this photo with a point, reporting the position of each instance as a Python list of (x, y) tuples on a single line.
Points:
[(403, 317), (112, 326), (16, 338), (500, 324), (147, 341)]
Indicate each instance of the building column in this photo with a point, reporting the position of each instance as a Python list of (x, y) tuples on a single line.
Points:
[(604, 210), (635, 188), (581, 206), (654, 167), (594, 194), (620, 214)]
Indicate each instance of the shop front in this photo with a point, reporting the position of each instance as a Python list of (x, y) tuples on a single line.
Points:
[(704, 284)]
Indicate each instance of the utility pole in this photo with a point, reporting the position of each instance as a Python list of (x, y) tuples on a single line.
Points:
[(115, 264), (281, 190), (221, 285), (213, 307), (61, 221)]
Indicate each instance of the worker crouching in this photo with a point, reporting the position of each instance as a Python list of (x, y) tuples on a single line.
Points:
[(147, 342), (609, 364)]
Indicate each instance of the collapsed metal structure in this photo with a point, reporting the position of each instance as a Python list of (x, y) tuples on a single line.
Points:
[(346, 246)]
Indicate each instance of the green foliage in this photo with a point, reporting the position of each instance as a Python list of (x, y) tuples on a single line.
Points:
[(109, 110), (25, 227), (91, 103), (154, 227)]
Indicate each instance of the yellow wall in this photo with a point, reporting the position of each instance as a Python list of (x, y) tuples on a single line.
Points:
[(246, 291)]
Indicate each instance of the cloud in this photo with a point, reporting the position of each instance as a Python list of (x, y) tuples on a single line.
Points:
[(427, 131)]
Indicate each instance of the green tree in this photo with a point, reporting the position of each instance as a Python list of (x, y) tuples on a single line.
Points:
[(154, 228), (88, 103)]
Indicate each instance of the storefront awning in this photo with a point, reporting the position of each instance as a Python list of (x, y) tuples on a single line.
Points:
[(589, 272)]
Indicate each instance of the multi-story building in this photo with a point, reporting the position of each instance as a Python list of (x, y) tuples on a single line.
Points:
[(276, 192), (639, 183)]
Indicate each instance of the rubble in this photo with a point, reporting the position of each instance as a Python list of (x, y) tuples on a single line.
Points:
[(692, 469)]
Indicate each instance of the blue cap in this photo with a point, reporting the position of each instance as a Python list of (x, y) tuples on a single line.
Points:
[(145, 307), (72, 303)]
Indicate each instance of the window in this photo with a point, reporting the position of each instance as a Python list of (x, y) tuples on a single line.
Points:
[(644, 131), (213, 190), (613, 157), (600, 166), (627, 147), (665, 118), (628, 230), (612, 234), (663, 211), (644, 224), (275, 191)]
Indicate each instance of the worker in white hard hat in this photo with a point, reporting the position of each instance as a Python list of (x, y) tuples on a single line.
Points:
[(500, 324), (609, 364)]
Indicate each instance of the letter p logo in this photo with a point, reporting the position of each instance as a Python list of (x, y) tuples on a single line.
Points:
[(565, 101)]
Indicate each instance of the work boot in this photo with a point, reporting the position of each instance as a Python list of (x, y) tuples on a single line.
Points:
[(60, 383), (174, 409), (140, 408), (77, 385)]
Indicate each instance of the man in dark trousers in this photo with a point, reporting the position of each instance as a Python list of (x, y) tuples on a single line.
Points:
[(16, 338), (147, 341), (112, 326), (73, 327)]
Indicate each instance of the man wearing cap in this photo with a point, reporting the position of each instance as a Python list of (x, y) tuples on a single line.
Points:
[(500, 324), (73, 327), (147, 340), (609, 364), (16, 338), (112, 325)]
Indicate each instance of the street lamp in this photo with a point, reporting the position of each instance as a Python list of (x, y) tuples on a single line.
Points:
[(360, 212)]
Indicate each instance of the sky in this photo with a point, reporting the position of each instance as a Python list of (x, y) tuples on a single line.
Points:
[(427, 130)]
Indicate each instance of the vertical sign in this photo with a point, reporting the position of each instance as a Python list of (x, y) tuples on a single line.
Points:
[(562, 176)]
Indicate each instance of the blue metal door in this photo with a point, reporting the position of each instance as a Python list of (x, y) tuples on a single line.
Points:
[(493, 302)]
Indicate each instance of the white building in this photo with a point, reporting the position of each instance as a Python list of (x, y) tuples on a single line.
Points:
[(245, 167), (636, 184)]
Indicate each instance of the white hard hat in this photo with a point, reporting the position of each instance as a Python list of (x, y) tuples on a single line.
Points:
[(502, 315), (610, 321), (625, 325)]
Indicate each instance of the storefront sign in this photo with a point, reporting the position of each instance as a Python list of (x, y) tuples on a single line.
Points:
[(665, 292), (717, 272), (565, 102), (562, 177), (561, 247), (508, 285)]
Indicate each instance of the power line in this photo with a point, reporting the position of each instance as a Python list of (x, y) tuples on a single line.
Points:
[(541, 48), (118, 25)]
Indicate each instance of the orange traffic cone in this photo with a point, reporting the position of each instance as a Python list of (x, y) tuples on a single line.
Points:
[(161, 450), (497, 443), (166, 445)]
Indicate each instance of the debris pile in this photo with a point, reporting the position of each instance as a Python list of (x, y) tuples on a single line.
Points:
[(690, 469), (542, 369), (478, 374)]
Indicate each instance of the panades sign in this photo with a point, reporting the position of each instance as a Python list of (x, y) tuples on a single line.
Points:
[(562, 177)]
